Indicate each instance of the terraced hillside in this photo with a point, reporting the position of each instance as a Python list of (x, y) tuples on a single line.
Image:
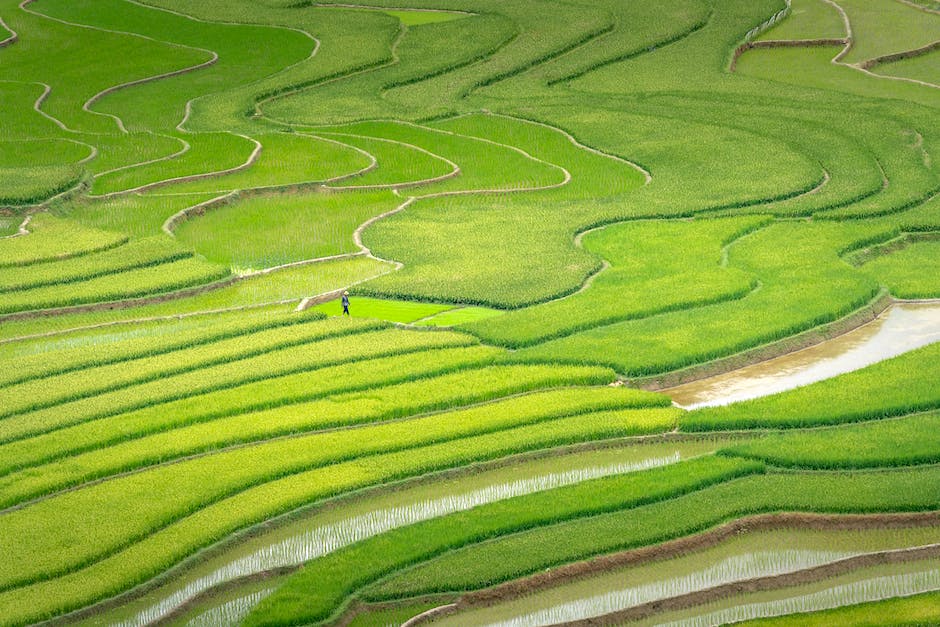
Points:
[(548, 215)]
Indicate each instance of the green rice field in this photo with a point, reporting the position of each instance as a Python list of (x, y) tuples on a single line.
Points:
[(543, 216)]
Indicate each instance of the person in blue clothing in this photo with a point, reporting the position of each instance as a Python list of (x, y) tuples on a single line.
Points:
[(345, 303)]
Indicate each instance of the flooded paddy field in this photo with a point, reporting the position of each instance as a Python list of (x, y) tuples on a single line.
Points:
[(749, 556), (235, 578)]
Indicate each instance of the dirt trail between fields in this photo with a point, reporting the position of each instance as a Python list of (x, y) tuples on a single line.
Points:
[(11, 39), (22, 230), (674, 548)]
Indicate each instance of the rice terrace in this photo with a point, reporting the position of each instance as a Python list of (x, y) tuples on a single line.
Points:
[(642, 312)]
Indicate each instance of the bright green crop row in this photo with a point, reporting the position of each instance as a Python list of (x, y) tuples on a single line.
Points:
[(898, 386), (209, 153), (423, 52), (324, 448), (913, 272), (224, 376), (920, 609), (278, 397), (804, 283), (522, 554), (137, 254), (654, 267), (138, 215), (287, 159), (47, 49), (91, 381), (269, 230), (29, 186), (156, 279), (52, 238), (317, 592), (80, 350), (398, 163), (159, 549), (281, 289), (483, 165), (898, 442)]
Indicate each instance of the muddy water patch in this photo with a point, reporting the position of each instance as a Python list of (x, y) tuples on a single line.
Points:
[(323, 532), (903, 327), (751, 555)]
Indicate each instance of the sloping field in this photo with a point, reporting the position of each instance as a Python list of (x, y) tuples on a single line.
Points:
[(544, 215)]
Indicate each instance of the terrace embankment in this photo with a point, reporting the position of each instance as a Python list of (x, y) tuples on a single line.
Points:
[(755, 553), (274, 552), (902, 327)]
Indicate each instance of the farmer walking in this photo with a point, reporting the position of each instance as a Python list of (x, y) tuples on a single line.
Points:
[(345, 303)]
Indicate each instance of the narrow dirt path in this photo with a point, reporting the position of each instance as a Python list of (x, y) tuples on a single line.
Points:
[(11, 39), (22, 230)]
